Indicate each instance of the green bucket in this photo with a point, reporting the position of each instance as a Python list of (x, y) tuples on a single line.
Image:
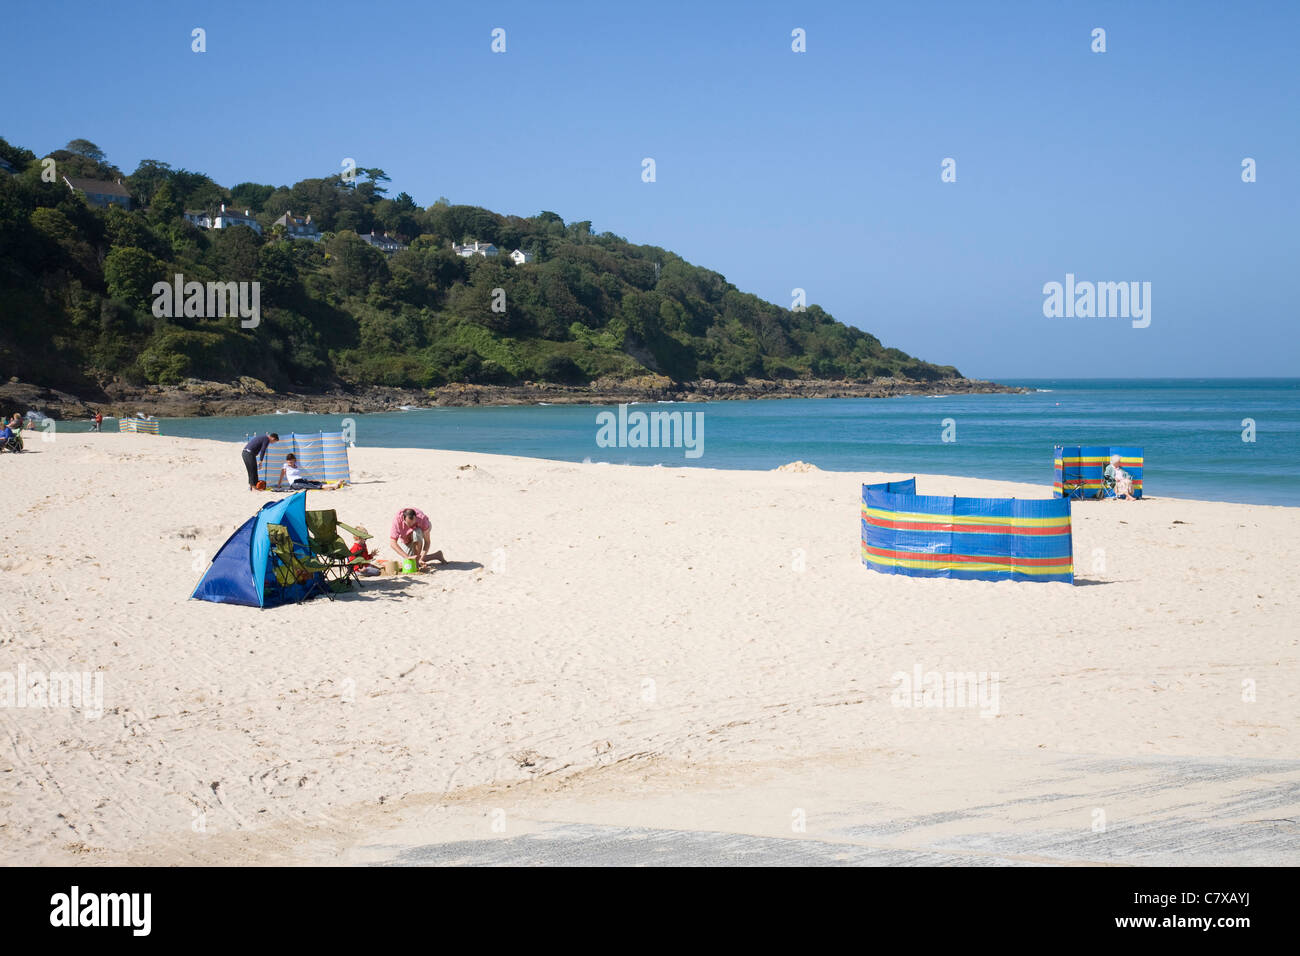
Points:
[(409, 566)]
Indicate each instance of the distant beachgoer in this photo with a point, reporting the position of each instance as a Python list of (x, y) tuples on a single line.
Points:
[(1122, 479), (291, 477), (254, 453), (98, 425), (410, 537), (9, 439)]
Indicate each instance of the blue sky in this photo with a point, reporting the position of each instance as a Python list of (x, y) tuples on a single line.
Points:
[(816, 170)]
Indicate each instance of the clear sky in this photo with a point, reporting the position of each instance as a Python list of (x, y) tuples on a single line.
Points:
[(818, 170)]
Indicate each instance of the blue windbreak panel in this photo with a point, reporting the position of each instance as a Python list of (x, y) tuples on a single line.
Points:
[(1080, 469), (322, 456), (988, 539)]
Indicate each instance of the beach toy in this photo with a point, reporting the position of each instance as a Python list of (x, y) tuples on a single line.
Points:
[(409, 566)]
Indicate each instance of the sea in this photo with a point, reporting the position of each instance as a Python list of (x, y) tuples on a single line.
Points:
[(1218, 439)]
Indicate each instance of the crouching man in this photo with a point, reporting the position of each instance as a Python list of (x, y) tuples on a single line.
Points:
[(410, 537)]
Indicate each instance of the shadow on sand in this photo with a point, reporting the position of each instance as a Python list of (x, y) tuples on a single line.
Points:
[(456, 566), (376, 587), (372, 589)]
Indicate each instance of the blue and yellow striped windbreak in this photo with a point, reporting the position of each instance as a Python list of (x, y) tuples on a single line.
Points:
[(1080, 468), (981, 539), (138, 425), (322, 456)]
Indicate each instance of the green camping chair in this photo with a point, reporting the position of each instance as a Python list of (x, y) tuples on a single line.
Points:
[(323, 534), (289, 568)]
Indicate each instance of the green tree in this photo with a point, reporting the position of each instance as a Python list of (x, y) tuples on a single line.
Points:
[(130, 274), (165, 206), (250, 196), (234, 255), (147, 178), (87, 149)]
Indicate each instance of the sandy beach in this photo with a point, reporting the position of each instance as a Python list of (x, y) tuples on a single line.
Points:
[(684, 650)]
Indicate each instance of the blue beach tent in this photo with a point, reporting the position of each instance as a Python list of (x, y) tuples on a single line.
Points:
[(240, 568)]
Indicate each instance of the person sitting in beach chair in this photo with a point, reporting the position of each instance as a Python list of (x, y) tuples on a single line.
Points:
[(1117, 478), (10, 440), (291, 477), (359, 549)]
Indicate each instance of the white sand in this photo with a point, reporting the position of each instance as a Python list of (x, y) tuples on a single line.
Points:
[(628, 628)]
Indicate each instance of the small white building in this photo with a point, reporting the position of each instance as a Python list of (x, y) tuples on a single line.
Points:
[(519, 257), (232, 217), (474, 249), (199, 218)]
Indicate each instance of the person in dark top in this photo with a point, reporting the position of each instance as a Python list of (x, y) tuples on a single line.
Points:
[(254, 452)]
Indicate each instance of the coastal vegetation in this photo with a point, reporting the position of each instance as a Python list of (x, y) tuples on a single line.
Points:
[(77, 281)]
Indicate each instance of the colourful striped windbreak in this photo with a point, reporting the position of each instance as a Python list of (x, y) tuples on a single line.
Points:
[(322, 456), (979, 539), (1079, 470), (142, 426)]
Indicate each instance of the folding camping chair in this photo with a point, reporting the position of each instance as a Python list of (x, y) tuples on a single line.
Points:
[(322, 531), (290, 569), (1074, 485)]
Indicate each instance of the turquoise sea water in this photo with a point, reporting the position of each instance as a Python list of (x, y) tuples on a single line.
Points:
[(1191, 430)]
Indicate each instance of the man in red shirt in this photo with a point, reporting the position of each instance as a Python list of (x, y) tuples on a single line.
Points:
[(410, 537)]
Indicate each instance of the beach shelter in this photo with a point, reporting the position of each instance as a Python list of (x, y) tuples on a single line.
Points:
[(973, 539), (322, 456), (239, 569), (1079, 469), (138, 424)]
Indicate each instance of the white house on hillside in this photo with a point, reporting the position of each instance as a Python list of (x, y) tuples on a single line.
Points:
[(474, 249), (231, 217), (199, 218), (519, 257)]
